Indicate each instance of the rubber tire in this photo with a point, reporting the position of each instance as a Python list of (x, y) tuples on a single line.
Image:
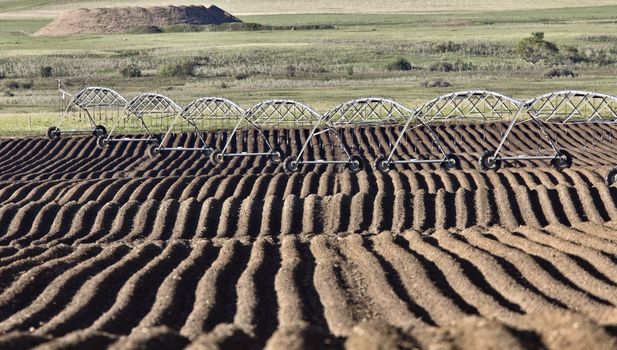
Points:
[(562, 163), (290, 165), (611, 177), (154, 151), (486, 164), (381, 164), (216, 157), (99, 130), (276, 156), (101, 142), (53, 133), (356, 164), (451, 162), (207, 152)]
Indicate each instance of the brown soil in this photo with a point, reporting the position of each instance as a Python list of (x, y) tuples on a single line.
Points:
[(111, 249), (126, 19)]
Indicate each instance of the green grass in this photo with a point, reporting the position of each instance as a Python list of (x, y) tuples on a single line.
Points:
[(46, 8), (248, 67)]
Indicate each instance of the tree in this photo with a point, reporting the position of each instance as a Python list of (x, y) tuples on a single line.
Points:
[(535, 48)]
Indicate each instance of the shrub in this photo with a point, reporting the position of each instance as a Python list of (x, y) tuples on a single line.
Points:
[(441, 67), (400, 64), (182, 28), (460, 66), (290, 70), (2, 75), (46, 71), (27, 85), (12, 84), (242, 76), (185, 68), (131, 71), (350, 71), (572, 55), (146, 30), (7, 93), (435, 83), (560, 73), (535, 49)]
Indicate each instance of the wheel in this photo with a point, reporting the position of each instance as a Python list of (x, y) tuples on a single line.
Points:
[(154, 151), (53, 133), (290, 164), (382, 164), (356, 164), (488, 162), (207, 152), (99, 130), (102, 142), (451, 162), (562, 160), (611, 177), (276, 156), (217, 157)]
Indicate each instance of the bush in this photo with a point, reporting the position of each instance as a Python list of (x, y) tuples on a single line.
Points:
[(12, 85), (457, 66), (572, 55), (46, 71), (27, 85), (7, 93), (182, 28), (242, 76), (535, 49), (2, 75), (435, 83), (350, 71), (560, 73), (461, 66), (185, 68), (290, 70), (400, 64), (146, 30), (441, 67), (131, 71)]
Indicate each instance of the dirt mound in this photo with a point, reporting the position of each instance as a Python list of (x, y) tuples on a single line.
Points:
[(126, 19)]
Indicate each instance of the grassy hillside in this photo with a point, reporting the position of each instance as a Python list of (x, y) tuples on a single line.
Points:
[(320, 67), (49, 8)]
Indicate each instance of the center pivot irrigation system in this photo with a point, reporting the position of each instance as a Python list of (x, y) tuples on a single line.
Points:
[(88, 108), (150, 113), (370, 111), (492, 117), (267, 114)]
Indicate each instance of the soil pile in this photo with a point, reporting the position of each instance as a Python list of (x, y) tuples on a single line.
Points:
[(126, 19)]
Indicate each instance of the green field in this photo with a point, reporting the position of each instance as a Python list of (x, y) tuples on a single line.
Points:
[(320, 67)]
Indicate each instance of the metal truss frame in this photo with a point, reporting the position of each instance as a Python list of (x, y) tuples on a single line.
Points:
[(474, 105), (559, 107), (140, 106), (275, 112), (205, 108), (87, 100), (357, 112)]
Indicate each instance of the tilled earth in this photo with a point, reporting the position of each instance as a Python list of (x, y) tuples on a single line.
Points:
[(112, 249)]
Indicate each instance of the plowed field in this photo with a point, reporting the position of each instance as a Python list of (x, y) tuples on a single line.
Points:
[(110, 248)]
